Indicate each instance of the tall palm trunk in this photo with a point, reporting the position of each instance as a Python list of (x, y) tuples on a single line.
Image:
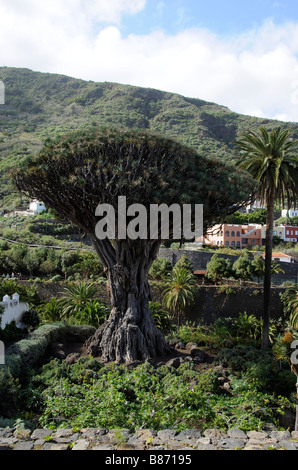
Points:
[(268, 263)]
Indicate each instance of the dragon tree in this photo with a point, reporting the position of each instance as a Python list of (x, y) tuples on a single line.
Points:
[(75, 173)]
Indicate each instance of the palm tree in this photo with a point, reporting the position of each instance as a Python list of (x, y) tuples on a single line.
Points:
[(258, 266), (271, 159), (77, 296), (50, 311), (293, 308), (180, 291)]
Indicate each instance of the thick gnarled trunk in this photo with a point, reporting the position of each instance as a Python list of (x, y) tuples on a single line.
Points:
[(130, 333)]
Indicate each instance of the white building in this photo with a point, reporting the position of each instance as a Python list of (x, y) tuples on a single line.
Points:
[(37, 206), (291, 212), (254, 206), (281, 257), (13, 310)]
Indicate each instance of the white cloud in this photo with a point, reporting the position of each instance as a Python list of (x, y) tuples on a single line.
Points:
[(254, 73)]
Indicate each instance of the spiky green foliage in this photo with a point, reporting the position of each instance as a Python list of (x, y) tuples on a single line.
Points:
[(180, 291), (76, 172), (293, 306), (272, 159), (76, 298)]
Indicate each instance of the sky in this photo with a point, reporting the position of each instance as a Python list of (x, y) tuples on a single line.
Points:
[(240, 54)]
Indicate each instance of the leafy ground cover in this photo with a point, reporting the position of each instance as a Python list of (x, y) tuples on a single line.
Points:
[(238, 385), (241, 387)]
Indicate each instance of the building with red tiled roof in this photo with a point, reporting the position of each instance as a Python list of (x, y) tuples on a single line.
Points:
[(281, 257)]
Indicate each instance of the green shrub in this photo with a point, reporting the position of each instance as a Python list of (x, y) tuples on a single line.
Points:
[(56, 278), (9, 392), (27, 294), (31, 350), (31, 319), (218, 268), (185, 263), (10, 333), (241, 357), (160, 268), (162, 318), (190, 333)]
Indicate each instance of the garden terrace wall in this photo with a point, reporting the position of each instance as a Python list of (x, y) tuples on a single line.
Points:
[(213, 301)]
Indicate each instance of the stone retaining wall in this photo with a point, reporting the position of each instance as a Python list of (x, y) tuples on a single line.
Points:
[(147, 440)]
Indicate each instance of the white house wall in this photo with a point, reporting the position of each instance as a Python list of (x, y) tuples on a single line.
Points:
[(13, 310)]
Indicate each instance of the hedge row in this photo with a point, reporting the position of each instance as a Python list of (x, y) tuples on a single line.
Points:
[(26, 353)]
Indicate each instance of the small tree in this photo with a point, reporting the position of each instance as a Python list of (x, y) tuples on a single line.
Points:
[(186, 263), (50, 311), (243, 267), (218, 268), (160, 268), (258, 267), (180, 292), (32, 261)]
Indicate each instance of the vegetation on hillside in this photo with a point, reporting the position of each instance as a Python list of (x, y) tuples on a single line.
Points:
[(41, 105)]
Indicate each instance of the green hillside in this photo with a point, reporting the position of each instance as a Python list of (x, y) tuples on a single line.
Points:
[(40, 105)]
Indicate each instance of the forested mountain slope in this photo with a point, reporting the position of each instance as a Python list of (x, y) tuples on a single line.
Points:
[(40, 105)]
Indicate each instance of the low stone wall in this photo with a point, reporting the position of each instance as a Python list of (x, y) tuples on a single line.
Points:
[(147, 440), (226, 301), (230, 301)]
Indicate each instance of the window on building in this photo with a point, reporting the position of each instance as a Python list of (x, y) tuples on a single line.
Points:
[(238, 244), (227, 233), (233, 234), (227, 243), (233, 243), (238, 234)]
